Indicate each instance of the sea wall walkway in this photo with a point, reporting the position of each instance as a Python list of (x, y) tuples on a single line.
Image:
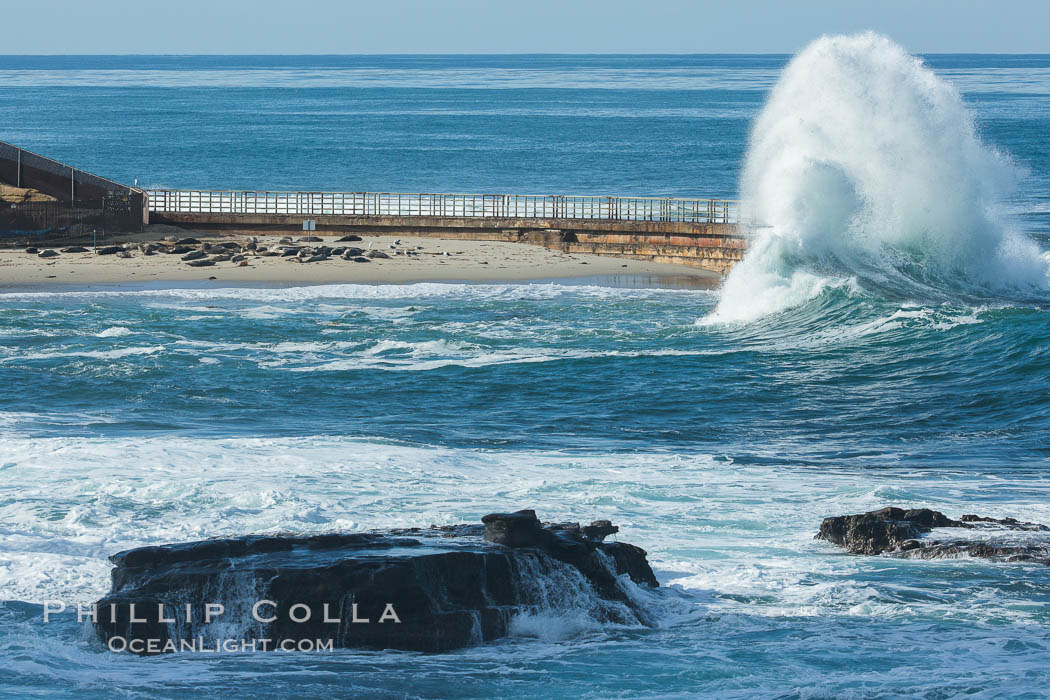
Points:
[(698, 232)]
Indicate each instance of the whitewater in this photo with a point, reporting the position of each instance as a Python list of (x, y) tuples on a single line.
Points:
[(884, 343), (865, 168)]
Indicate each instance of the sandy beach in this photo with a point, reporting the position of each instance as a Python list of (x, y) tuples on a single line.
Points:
[(430, 259)]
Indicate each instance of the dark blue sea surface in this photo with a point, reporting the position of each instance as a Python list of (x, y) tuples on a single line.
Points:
[(133, 415)]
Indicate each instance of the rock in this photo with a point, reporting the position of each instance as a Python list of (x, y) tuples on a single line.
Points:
[(1009, 523), (377, 254), (110, 250), (428, 590), (348, 239), (600, 529), (187, 241), (47, 253), (881, 530), (22, 195), (201, 262), (520, 529), (194, 255), (360, 258), (33, 250), (75, 249), (906, 533)]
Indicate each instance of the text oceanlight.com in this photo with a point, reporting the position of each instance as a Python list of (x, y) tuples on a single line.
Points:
[(202, 645)]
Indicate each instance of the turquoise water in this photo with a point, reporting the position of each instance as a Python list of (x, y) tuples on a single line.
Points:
[(132, 415)]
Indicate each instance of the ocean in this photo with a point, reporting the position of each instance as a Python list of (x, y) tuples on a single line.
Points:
[(887, 342)]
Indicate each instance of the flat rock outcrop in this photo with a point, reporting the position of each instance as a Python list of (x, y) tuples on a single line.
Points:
[(430, 590), (915, 533)]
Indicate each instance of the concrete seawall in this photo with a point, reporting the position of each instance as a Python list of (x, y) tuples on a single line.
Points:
[(82, 202), (711, 246)]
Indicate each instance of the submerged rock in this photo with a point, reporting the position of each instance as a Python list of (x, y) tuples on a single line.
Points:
[(429, 589), (910, 533)]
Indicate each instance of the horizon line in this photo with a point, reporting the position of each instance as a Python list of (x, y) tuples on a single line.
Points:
[(534, 53)]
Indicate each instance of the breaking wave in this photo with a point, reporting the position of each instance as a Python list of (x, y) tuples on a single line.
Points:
[(865, 170)]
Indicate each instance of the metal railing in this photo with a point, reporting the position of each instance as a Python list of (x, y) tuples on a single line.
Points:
[(515, 206)]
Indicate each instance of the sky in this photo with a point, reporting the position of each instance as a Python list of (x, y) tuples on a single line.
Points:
[(505, 26)]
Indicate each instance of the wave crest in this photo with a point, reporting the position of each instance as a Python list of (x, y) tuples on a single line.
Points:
[(867, 168)]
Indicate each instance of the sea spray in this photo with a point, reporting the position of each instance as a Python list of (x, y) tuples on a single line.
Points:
[(865, 168)]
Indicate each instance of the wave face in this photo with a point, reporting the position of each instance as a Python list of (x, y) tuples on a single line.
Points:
[(865, 168)]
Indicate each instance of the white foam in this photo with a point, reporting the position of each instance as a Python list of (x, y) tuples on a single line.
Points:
[(355, 292), (114, 332), (115, 354), (866, 167)]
